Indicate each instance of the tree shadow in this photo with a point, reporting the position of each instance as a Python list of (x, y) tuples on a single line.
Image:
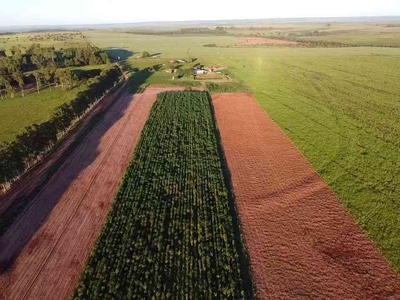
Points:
[(118, 54), (86, 74), (78, 155)]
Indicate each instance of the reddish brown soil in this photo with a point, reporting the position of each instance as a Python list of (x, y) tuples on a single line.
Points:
[(71, 208), (258, 41), (301, 241)]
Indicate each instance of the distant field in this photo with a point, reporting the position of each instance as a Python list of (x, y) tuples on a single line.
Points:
[(57, 40), (382, 34), (340, 107), (19, 112), (175, 46)]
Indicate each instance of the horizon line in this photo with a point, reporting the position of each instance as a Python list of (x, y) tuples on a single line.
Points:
[(200, 20)]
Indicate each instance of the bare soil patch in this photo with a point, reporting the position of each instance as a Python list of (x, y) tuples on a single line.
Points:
[(259, 41), (53, 238), (301, 241)]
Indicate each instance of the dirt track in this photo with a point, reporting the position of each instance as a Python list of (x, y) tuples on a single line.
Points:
[(302, 243), (64, 220), (259, 41)]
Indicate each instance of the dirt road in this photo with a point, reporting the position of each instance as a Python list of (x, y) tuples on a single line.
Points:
[(53, 238), (302, 242)]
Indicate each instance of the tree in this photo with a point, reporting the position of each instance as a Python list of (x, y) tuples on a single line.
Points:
[(39, 80), (10, 90), (3, 85), (65, 78), (145, 54), (18, 76), (15, 50), (47, 76)]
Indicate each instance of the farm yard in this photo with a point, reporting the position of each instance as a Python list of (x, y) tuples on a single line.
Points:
[(277, 177)]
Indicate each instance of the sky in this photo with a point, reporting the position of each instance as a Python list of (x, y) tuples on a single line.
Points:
[(76, 12)]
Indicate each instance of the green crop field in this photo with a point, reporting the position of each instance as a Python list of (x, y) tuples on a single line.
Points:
[(339, 106), (170, 232)]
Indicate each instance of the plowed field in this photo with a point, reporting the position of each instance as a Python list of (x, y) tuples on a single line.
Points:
[(301, 241)]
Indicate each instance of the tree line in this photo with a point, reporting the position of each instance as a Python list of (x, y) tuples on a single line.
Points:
[(36, 140), (45, 64)]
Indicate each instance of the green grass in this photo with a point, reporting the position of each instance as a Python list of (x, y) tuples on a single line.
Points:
[(20, 112), (170, 232), (340, 107)]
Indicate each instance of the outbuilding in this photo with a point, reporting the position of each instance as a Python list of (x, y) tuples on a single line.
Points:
[(199, 72)]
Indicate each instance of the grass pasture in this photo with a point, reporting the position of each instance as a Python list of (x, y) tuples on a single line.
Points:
[(20, 112)]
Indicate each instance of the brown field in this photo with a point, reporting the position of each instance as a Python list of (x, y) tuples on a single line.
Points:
[(301, 241), (51, 241), (259, 41)]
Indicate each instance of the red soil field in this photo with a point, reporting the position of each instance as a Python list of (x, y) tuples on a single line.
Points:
[(258, 41), (63, 221), (302, 242)]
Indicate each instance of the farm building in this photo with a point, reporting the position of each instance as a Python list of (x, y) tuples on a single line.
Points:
[(199, 72), (181, 61)]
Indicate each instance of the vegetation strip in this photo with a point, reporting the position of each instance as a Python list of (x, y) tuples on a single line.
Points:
[(170, 231)]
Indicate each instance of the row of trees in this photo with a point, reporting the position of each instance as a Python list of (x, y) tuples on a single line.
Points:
[(37, 139)]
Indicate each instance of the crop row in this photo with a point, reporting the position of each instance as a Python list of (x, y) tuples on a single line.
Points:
[(169, 234)]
